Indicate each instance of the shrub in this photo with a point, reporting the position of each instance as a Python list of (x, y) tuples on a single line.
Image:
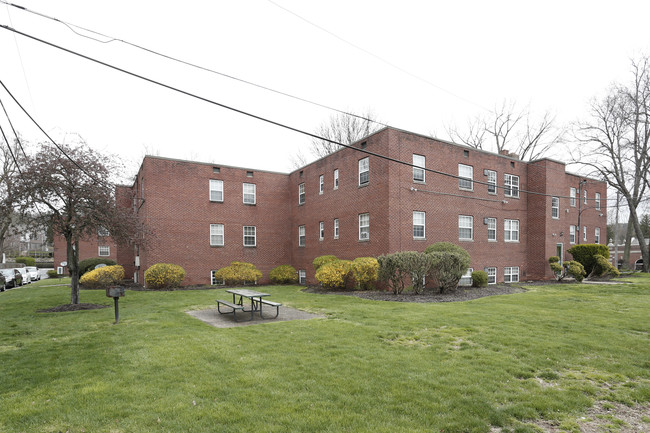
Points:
[(27, 261), (164, 276), (283, 274), (448, 247), (364, 270), (103, 277), (89, 264), (603, 268), (52, 273), (479, 279), (392, 272), (447, 268), (334, 274), (574, 269), (585, 254), (238, 273), (321, 260)]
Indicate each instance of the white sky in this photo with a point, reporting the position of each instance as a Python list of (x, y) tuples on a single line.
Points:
[(553, 55)]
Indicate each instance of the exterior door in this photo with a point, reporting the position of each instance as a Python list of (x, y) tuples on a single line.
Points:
[(560, 252)]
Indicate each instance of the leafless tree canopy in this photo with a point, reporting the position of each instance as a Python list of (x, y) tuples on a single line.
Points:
[(10, 202), (614, 142), (510, 129)]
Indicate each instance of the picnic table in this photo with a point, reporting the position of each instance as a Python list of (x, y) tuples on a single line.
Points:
[(256, 299)]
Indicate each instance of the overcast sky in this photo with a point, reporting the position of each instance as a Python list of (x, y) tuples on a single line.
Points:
[(468, 55)]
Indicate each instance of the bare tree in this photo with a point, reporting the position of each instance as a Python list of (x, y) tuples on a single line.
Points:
[(614, 143), (10, 159), (510, 129), (76, 195)]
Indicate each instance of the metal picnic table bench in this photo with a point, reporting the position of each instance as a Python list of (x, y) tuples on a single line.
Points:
[(237, 304)]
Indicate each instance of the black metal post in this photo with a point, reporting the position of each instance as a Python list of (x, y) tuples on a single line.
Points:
[(117, 310)]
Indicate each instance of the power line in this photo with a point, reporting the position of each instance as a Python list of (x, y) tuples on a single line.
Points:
[(13, 129), (254, 116), (184, 62)]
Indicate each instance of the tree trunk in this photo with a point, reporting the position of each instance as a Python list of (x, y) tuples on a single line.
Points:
[(628, 244), (639, 234), (73, 268)]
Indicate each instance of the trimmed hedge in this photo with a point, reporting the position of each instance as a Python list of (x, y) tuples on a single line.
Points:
[(283, 274), (27, 261), (479, 279), (103, 277), (163, 276), (89, 264), (238, 273), (585, 254)]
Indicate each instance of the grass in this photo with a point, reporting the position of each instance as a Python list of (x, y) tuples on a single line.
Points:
[(370, 366)]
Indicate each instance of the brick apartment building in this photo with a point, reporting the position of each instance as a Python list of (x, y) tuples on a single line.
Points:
[(510, 215)]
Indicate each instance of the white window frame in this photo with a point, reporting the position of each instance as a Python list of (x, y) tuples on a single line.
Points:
[(321, 230), (106, 249), (302, 240), (597, 201), (216, 231), (511, 274), (597, 235), (336, 228), (321, 184), (572, 234), (301, 193), (419, 161), (492, 274), (572, 197), (364, 169), (302, 277), (511, 230), (511, 185), (466, 280), (584, 233), (214, 281), (555, 207), (585, 194), (465, 177), (492, 181), (336, 178), (364, 226), (492, 229), (419, 221), (465, 222), (249, 193), (249, 235), (216, 186)]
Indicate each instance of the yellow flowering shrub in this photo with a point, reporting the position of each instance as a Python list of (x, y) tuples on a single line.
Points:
[(163, 276), (102, 277), (365, 270), (335, 274), (238, 273), (321, 260), (283, 274)]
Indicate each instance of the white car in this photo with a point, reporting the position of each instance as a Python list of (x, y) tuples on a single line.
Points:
[(25, 274), (33, 273)]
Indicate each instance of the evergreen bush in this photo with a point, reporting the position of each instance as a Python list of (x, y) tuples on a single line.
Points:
[(89, 264), (585, 254), (163, 276), (27, 261), (479, 279), (283, 274), (238, 273)]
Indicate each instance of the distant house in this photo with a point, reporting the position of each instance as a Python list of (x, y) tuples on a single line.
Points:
[(636, 259), (510, 215)]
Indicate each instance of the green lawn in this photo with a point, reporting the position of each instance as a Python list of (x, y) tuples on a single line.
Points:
[(370, 366)]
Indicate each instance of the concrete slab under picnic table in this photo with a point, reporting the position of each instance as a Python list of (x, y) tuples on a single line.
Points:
[(212, 317)]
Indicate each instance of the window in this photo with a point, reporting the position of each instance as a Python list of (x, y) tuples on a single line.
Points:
[(465, 227), (492, 275), (584, 233), (214, 281), (336, 228), (302, 277), (511, 230), (597, 234), (216, 235), (364, 226), (572, 234), (572, 195), (249, 193), (364, 171), (301, 236), (466, 280), (597, 201), (418, 225), (466, 174), (216, 169), (321, 182), (585, 195), (492, 181), (511, 274), (322, 230), (555, 207), (250, 236), (418, 171), (216, 190), (492, 229), (336, 179), (511, 185), (103, 231), (249, 174), (301, 193), (104, 251)]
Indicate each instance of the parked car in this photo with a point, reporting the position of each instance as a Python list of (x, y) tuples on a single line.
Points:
[(25, 276), (13, 278), (33, 273), (3, 282)]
